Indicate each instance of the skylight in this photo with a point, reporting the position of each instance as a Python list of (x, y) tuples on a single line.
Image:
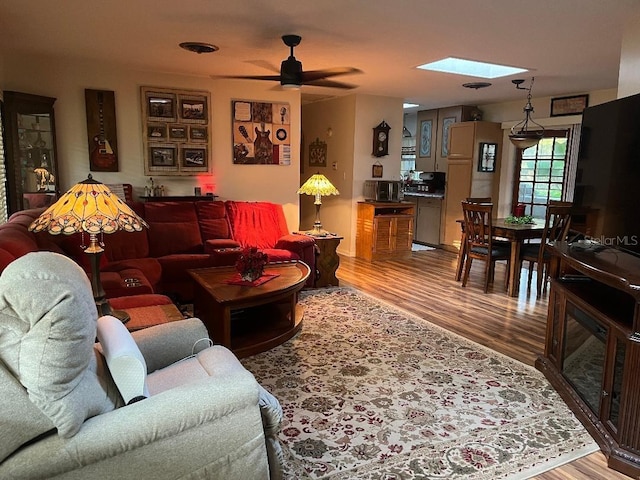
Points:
[(471, 68)]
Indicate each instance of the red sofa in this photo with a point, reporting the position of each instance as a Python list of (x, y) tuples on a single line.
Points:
[(181, 236)]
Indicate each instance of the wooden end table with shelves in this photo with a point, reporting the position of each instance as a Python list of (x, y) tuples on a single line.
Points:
[(327, 258)]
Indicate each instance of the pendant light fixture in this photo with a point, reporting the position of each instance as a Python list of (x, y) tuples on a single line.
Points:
[(521, 134)]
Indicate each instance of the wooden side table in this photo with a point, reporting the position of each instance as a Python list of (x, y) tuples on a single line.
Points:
[(327, 260)]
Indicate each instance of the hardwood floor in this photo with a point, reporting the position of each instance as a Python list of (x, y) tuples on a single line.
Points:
[(424, 285)]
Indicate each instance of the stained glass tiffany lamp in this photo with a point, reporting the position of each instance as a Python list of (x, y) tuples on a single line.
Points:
[(319, 186), (90, 207)]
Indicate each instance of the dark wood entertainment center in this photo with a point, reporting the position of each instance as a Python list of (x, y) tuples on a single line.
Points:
[(592, 345)]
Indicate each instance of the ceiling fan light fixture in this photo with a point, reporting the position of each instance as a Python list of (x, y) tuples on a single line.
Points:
[(521, 135), (291, 73), (199, 47)]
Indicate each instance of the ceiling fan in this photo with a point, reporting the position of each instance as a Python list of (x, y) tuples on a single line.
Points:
[(292, 75)]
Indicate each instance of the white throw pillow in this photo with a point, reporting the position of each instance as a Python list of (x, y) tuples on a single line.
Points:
[(126, 364)]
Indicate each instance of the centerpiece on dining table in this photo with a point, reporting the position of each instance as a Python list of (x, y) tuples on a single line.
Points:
[(518, 217), (251, 263)]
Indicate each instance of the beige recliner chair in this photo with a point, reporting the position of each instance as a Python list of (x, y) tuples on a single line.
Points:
[(163, 405)]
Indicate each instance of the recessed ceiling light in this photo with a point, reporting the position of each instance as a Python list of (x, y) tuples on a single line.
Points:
[(409, 105), (199, 47), (471, 68)]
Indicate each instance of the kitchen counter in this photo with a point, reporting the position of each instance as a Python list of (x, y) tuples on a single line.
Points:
[(424, 194)]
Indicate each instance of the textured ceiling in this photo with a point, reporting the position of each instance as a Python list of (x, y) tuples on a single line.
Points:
[(569, 45)]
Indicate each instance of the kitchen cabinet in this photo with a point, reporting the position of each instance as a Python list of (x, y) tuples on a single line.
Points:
[(384, 230), (463, 178), (592, 353), (447, 117), (413, 199), (432, 145), (32, 163), (427, 128)]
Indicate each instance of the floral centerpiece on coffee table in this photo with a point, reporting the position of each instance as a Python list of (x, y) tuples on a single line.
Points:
[(251, 263)]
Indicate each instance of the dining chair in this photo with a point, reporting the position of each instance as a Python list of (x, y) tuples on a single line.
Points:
[(461, 251), (479, 244), (556, 228)]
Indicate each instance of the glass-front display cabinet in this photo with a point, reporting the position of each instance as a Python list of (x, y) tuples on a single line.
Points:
[(30, 143)]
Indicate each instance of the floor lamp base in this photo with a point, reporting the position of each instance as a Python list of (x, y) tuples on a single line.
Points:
[(105, 309)]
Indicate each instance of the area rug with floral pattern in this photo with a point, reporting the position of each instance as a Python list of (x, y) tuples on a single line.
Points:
[(373, 392)]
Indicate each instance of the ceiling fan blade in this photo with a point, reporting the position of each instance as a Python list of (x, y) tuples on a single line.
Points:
[(311, 75), (264, 64), (329, 83), (275, 78)]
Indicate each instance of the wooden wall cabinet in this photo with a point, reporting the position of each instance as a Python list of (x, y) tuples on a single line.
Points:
[(384, 230), (426, 141), (447, 117), (592, 346), (432, 145), (463, 178), (32, 159)]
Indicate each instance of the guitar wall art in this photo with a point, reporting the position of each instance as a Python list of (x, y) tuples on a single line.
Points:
[(261, 133), (101, 130)]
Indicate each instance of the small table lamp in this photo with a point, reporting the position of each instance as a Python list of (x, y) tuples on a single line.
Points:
[(319, 186), (90, 207)]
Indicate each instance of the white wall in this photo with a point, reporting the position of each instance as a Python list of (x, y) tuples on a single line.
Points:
[(629, 76), (67, 80), (370, 111), (333, 122), (351, 119)]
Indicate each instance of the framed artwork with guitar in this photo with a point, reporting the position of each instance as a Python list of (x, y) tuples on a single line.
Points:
[(261, 133), (101, 130)]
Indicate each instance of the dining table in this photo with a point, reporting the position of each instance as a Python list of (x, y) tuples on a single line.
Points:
[(516, 234)]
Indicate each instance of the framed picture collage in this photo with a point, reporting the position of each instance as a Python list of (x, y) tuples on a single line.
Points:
[(176, 132)]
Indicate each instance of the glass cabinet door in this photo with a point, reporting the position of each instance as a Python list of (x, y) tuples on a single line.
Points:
[(32, 168), (584, 354)]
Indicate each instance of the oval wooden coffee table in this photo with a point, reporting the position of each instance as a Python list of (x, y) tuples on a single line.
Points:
[(250, 319)]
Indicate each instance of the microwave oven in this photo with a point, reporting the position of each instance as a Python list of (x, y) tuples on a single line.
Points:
[(383, 190)]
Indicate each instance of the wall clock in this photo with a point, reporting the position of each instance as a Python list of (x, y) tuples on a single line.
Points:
[(381, 140)]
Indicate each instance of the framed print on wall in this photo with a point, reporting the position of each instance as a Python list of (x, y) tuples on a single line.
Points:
[(164, 157), (318, 153), (157, 132), (173, 122), (426, 129), (446, 123), (573, 105), (178, 132), (198, 134), (193, 158), (102, 137), (487, 157), (193, 109), (260, 133)]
